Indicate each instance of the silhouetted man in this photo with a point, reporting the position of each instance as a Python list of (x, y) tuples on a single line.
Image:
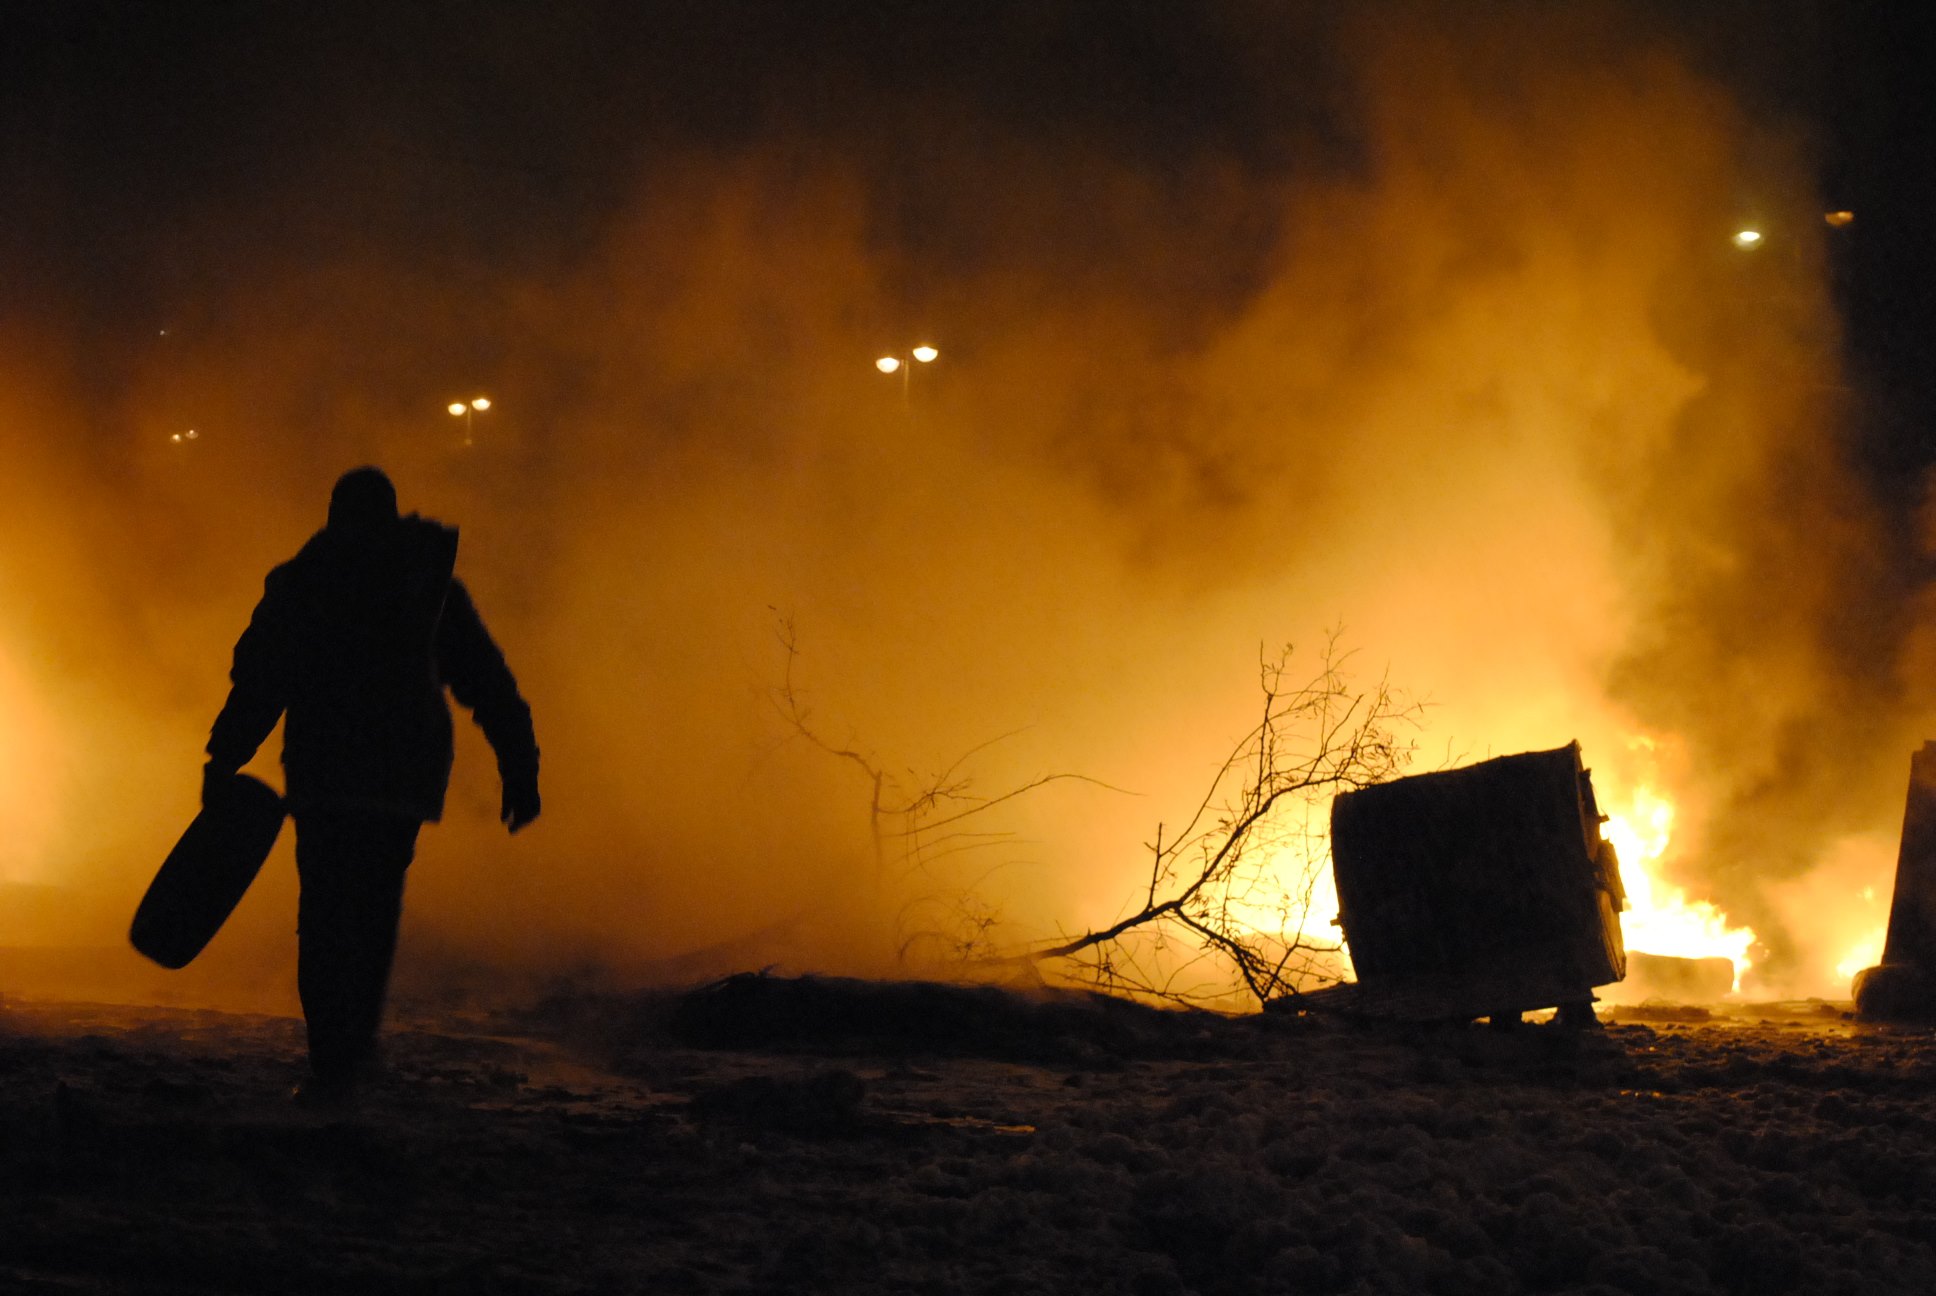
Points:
[(354, 641)]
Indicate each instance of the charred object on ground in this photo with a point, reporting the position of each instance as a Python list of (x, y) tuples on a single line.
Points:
[(824, 1014), (1672, 979)]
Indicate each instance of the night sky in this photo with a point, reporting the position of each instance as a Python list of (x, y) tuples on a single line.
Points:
[(158, 154)]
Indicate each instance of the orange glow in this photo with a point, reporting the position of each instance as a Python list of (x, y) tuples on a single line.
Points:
[(1293, 894), (1502, 406), (1747, 238), (27, 758), (1660, 917), (1840, 218), (1865, 953)]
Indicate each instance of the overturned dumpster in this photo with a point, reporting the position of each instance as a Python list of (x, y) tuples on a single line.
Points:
[(1482, 891)]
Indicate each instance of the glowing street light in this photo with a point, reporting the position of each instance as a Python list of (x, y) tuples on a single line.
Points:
[(1747, 238), (1839, 219), (887, 364), (467, 410)]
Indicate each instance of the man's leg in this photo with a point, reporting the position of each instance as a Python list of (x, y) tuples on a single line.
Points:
[(352, 866)]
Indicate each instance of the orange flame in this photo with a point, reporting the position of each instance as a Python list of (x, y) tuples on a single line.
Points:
[(1660, 917)]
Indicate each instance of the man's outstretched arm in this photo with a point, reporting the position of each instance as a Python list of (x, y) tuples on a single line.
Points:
[(471, 664), (257, 690)]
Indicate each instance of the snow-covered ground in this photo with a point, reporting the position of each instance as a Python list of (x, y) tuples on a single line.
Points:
[(902, 1146)]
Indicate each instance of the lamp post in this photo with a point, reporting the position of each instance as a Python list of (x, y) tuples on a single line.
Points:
[(468, 410), (904, 365)]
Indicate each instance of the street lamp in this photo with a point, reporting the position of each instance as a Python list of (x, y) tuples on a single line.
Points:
[(887, 364), (468, 410)]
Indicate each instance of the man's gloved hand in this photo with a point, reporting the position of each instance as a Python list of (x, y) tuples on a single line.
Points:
[(520, 801), (218, 781)]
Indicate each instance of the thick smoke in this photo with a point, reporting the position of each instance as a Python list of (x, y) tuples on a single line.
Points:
[(1253, 321)]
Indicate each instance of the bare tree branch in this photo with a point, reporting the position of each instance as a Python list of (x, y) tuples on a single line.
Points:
[(1252, 846), (1227, 898), (923, 817)]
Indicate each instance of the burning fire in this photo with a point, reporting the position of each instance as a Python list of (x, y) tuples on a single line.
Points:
[(1660, 918)]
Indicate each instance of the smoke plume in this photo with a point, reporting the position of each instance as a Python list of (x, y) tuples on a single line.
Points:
[(1253, 320)]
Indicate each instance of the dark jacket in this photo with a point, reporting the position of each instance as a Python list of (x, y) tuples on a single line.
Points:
[(355, 639)]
